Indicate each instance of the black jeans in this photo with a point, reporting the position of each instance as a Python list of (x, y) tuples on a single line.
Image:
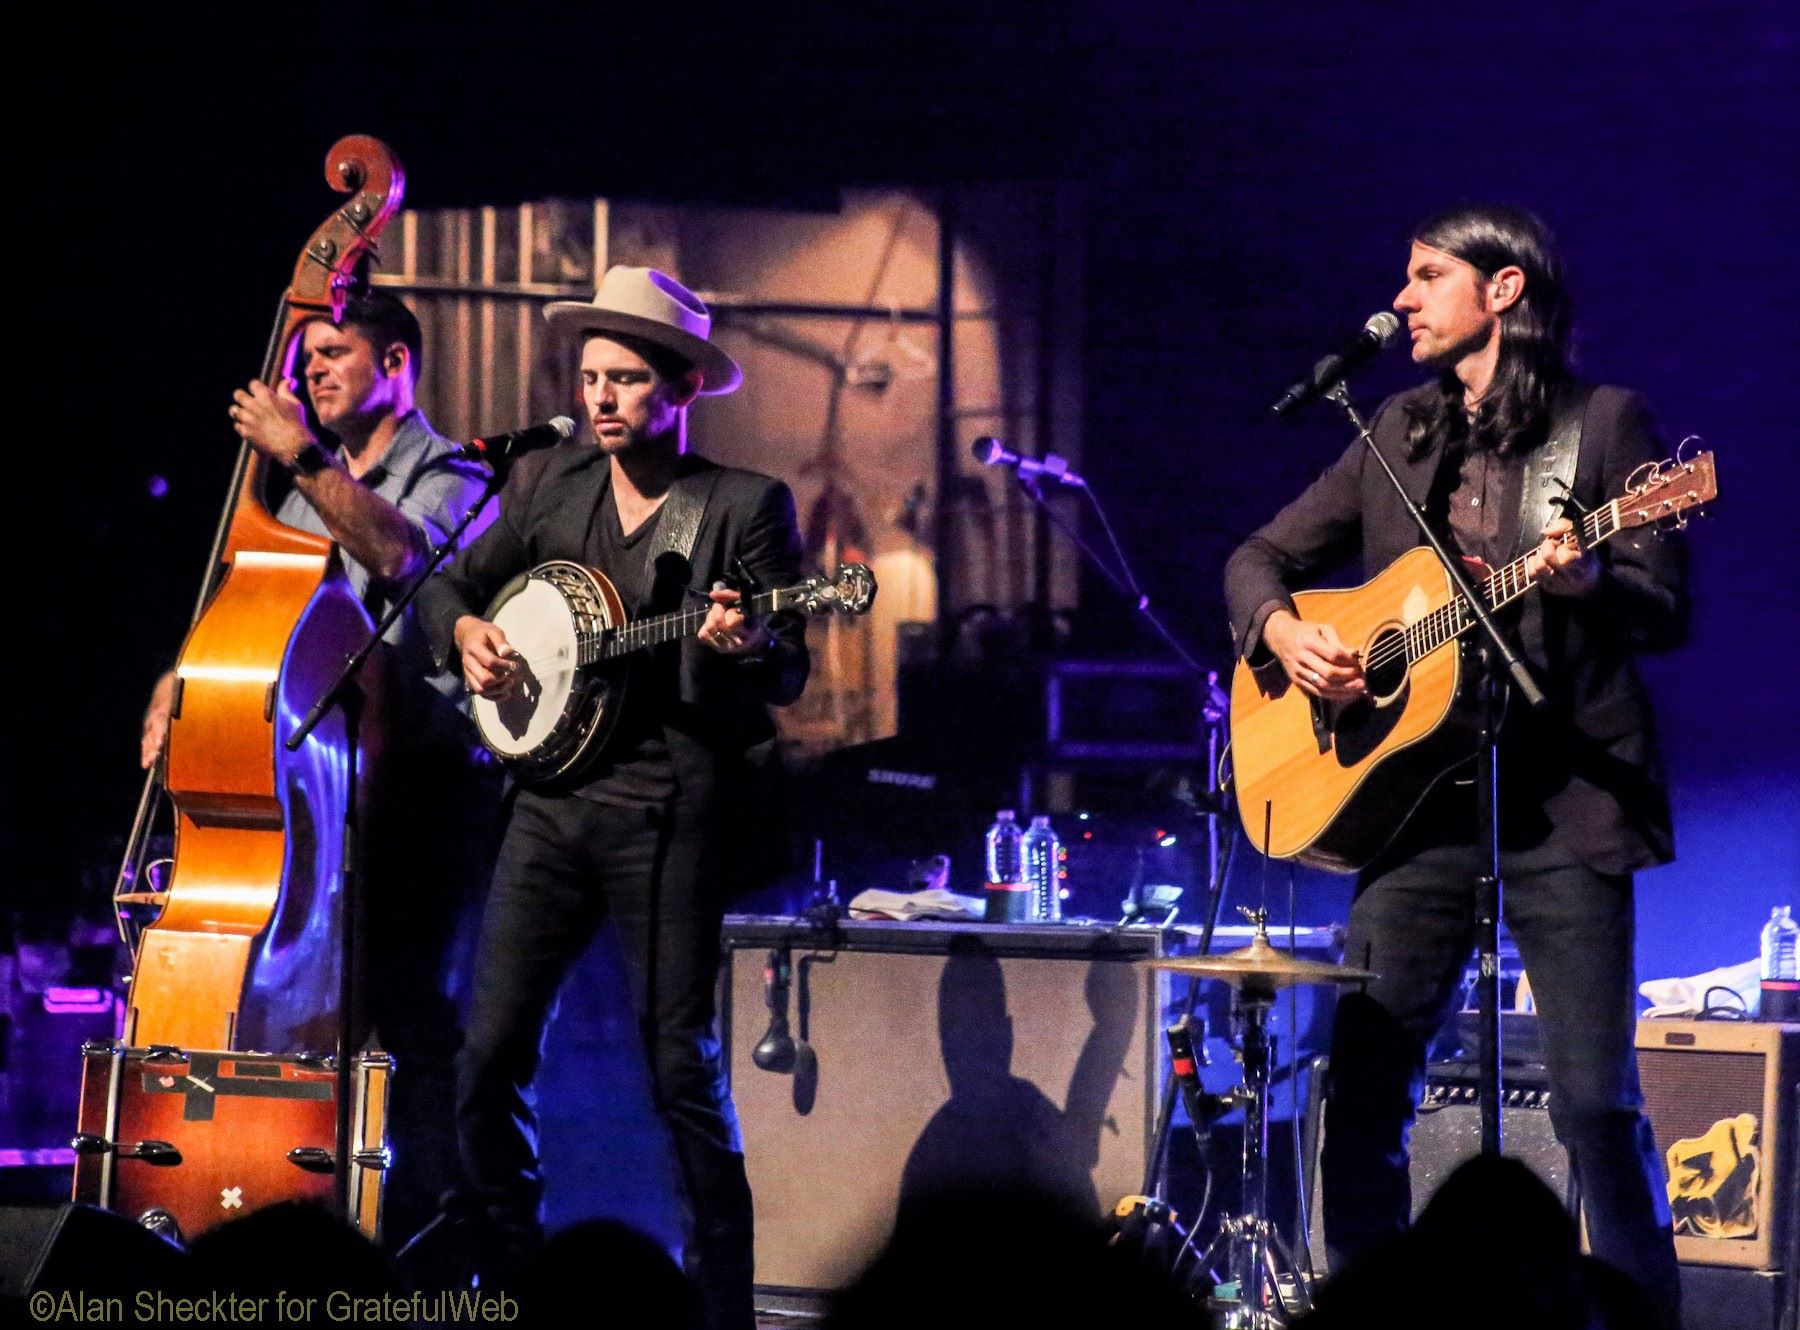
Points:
[(1413, 923), (567, 866), (432, 830)]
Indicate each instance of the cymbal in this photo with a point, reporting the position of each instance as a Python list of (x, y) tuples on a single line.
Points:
[(1260, 965)]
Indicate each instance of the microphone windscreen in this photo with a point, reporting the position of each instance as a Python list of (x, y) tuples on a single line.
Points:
[(564, 427), (1383, 327), (987, 450)]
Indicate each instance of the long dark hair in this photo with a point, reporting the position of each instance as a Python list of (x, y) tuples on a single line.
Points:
[(1534, 331)]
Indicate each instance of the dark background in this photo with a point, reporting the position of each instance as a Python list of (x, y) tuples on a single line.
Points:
[(1251, 172)]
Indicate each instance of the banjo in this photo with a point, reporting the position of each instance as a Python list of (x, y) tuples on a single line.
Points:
[(567, 623)]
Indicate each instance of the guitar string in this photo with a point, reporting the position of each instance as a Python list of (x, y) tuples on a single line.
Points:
[(1449, 621)]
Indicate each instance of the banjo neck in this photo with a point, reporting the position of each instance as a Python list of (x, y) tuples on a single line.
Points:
[(642, 634)]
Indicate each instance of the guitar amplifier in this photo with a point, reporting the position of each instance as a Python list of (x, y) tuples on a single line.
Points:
[(181, 1141), (1447, 1134), (932, 1055), (1721, 1101)]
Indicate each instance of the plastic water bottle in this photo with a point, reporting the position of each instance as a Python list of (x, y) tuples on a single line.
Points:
[(1043, 864), (1008, 893), (1781, 966)]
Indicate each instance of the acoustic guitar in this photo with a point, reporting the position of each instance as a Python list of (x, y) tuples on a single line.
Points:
[(1337, 780)]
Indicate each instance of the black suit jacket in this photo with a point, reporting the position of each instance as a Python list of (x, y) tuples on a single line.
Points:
[(721, 736), (1591, 759)]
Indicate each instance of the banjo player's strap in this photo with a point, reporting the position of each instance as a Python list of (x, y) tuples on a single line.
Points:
[(679, 524)]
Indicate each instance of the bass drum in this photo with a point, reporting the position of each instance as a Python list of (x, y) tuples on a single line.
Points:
[(553, 617)]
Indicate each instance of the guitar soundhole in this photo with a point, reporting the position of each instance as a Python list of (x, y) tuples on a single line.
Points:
[(1385, 666)]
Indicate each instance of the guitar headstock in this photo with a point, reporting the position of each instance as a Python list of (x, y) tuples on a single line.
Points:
[(1664, 491), (852, 591)]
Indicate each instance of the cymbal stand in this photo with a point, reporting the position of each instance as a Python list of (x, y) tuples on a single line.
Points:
[(1212, 806), (1257, 1255)]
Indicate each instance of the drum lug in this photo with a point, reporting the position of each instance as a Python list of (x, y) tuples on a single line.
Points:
[(312, 1158), (163, 1054), (86, 1143), (158, 1153), (94, 1048), (378, 1159), (160, 1222)]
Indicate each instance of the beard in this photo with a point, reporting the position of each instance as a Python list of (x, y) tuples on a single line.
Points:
[(631, 440), (624, 441)]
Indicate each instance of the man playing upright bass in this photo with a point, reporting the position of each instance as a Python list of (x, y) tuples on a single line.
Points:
[(389, 488), (1582, 803)]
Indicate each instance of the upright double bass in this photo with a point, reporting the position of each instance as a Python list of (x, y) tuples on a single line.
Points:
[(242, 950)]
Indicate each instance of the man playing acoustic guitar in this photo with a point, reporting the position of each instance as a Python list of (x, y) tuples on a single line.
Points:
[(1582, 803)]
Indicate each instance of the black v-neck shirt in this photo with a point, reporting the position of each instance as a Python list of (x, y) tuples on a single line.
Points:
[(634, 767)]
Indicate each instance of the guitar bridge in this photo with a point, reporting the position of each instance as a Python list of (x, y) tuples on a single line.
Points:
[(1321, 724)]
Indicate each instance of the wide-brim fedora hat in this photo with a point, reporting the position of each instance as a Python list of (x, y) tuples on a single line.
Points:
[(642, 302)]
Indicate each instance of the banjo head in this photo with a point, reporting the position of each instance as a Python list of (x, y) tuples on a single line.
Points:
[(543, 616)]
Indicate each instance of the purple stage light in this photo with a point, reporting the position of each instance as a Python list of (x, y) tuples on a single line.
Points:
[(63, 1001)]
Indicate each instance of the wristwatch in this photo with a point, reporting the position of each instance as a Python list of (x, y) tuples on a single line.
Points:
[(310, 460)]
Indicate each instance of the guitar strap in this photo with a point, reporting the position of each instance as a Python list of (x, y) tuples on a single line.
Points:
[(1550, 469), (679, 524)]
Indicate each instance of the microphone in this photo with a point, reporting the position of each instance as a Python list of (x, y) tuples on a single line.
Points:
[(1377, 333), (776, 1050), (1201, 1107), (497, 449), (989, 451)]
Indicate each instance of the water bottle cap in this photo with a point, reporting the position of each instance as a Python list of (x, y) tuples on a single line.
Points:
[(1004, 815), (1040, 820)]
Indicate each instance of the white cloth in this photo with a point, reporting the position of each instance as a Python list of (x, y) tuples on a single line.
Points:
[(1687, 997), (934, 904)]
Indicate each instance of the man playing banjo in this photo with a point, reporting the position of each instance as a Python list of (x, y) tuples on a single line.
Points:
[(648, 837)]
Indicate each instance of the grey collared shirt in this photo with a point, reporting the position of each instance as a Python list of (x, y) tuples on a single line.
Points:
[(433, 489)]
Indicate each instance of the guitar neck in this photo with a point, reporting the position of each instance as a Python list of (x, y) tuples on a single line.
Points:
[(1452, 620), (643, 634)]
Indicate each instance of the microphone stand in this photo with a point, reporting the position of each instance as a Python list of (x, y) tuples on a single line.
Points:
[(1122, 580), (1216, 710), (1493, 653), (347, 692)]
